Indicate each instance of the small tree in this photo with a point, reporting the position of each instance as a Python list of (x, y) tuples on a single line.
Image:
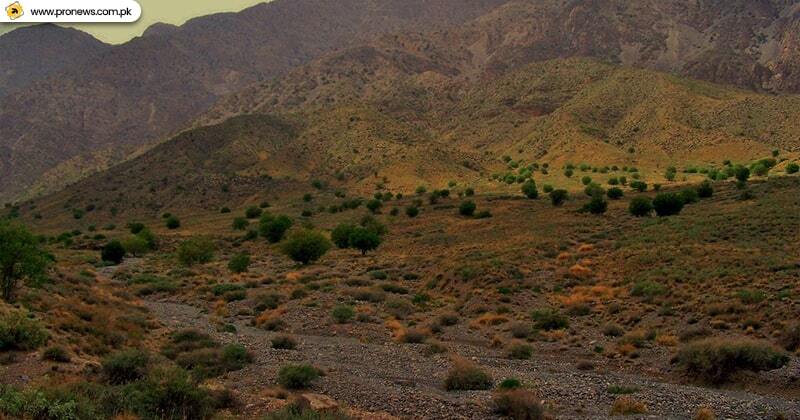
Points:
[(274, 228), (21, 257), (741, 173), (135, 245), (640, 186), (341, 235), (467, 208), (239, 263), (558, 197), (412, 211), (668, 204), (374, 205), (197, 250), (113, 252), (253, 212), (530, 190), (641, 207), (615, 193), (705, 190), (306, 246), (364, 239), (597, 205), (173, 222)]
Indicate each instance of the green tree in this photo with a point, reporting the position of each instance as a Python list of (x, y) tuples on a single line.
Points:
[(274, 228), (530, 190), (306, 246), (239, 263), (135, 245), (173, 222), (558, 197), (412, 211), (113, 252), (467, 208), (668, 204), (641, 207), (341, 235), (21, 257), (374, 205), (597, 205), (792, 168), (197, 250), (741, 173), (615, 193), (364, 239)]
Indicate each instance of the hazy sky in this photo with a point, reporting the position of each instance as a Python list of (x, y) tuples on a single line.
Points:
[(167, 11)]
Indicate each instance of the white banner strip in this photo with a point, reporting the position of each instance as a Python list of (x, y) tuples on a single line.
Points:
[(70, 11)]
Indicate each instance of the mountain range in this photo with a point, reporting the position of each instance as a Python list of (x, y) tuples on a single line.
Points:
[(399, 86)]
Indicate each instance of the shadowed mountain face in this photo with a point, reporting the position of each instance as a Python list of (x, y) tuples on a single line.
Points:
[(97, 113), (30, 54), (144, 90)]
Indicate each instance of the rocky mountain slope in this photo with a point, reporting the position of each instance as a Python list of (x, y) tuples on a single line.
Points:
[(98, 113), (30, 54)]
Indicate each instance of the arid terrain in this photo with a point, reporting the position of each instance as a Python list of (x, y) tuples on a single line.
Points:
[(523, 209)]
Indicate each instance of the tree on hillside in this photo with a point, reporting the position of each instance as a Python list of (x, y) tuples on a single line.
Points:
[(306, 246), (21, 258), (364, 239), (530, 190)]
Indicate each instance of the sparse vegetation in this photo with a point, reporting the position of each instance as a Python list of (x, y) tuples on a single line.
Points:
[(464, 376), (197, 250), (716, 359)]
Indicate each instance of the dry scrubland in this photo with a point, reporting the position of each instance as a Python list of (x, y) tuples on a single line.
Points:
[(513, 307)]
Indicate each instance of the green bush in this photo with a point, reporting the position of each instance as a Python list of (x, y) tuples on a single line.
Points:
[(520, 351), (21, 258), (640, 186), (239, 263), (297, 376), (792, 168), (689, 196), (125, 366), (306, 246), (56, 354), (210, 362), (198, 250), (19, 332), (341, 235), (113, 252), (135, 245), (284, 342), (615, 193), (168, 394), (717, 359), (173, 222), (240, 223), (412, 211), (668, 204), (343, 314), (648, 289), (464, 376), (640, 207), (253, 212), (364, 239), (467, 208), (509, 383), (530, 190), (549, 320), (374, 205), (274, 228), (597, 205), (558, 197)]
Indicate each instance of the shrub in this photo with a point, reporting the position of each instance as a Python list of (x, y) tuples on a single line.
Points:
[(343, 314), (668, 204), (640, 186), (239, 263), (597, 205), (509, 383), (464, 376), (135, 245), (594, 190), (558, 197), (169, 394), (530, 190), (467, 208), (547, 188), (297, 376), (689, 196), (284, 342), (705, 190), (341, 235), (626, 405), (21, 257), (306, 246), (125, 366), (741, 173), (19, 332), (790, 338), (198, 250), (209, 362), (615, 193), (274, 228), (173, 222), (716, 359), (412, 211), (640, 207), (413, 336), (253, 212), (549, 320), (364, 239), (56, 354), (113, 252), (792, 168), (518, 404), (520, 351), (240, 223), (648, 289), (374, 205)]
